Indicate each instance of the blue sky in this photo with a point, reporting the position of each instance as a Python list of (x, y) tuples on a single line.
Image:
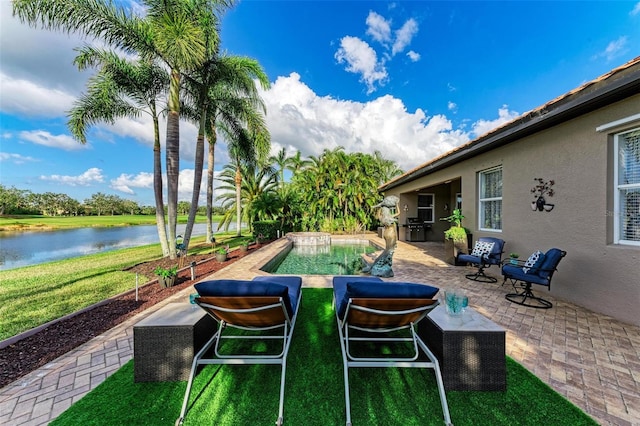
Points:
[(412, 80)]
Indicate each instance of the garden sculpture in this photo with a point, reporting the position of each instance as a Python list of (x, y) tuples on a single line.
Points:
[(381, 266)]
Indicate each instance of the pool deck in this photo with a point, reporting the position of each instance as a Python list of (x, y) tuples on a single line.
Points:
[(591, 359)]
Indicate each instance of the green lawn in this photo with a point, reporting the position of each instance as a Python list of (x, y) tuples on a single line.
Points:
[(33, 295), (17, 223)]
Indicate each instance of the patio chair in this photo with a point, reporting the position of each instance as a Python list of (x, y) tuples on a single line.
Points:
[(258, 307), (486, 251), (538, 269), (371, 313)]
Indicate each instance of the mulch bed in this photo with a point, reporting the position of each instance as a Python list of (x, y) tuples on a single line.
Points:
[(33, 352)]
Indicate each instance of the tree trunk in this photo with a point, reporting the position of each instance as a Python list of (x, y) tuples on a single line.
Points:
[(157, 188), (173, 158), (197, 181), (210, 164), (238, 200)]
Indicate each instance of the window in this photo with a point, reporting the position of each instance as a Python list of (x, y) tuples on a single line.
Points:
[(627, 188), (425, 207), (490, 199)]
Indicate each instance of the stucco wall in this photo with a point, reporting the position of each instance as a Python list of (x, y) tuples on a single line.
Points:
[(596, 273)]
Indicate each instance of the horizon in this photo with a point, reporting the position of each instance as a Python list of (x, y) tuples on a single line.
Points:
[(412, 80)]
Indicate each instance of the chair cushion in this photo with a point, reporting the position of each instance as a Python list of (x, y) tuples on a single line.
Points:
[(381, 289), (293, 283), (468, 258), (340, 288), (550, 263), (239, 288), (516, 273), (482, 247), (533, 263)]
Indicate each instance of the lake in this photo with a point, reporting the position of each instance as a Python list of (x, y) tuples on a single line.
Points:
[(33, 247)]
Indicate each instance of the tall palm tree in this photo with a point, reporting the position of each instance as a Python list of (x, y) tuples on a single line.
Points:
[(175, 31), (123, 89), (226, 101)]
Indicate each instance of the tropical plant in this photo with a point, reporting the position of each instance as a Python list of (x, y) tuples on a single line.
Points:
[(175, 32), (166, 272), (120, 89), (226, 100)]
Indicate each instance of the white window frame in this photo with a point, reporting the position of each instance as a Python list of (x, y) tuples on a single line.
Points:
[(617, 190), (482, 200), (432, 207)]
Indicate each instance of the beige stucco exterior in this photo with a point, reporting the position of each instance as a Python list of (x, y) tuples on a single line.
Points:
[(596, 273)]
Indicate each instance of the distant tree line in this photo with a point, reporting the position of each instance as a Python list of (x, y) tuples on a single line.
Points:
[(14, 201)]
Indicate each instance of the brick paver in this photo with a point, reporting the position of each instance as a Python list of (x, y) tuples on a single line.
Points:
[(591, 359)]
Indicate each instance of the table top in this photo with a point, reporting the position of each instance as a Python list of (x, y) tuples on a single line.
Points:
[(173, 314), (471, 320)]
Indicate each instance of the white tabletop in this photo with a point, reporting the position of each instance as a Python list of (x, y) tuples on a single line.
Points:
[(173, 314), (471, 320)]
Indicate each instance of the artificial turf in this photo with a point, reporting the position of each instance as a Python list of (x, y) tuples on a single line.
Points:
[(248, 395)]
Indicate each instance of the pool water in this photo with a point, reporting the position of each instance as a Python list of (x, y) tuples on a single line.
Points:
[(334, 259)]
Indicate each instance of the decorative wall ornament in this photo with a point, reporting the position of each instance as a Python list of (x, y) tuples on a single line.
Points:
[(541, 189)]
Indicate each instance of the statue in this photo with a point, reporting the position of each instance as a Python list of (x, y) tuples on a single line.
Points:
[(381, 266)]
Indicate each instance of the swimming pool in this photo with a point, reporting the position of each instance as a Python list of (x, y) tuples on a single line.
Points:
[(333, 259)]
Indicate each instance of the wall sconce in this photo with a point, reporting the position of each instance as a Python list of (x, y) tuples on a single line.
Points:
[(405, 208), (541, 188), (446, 207)]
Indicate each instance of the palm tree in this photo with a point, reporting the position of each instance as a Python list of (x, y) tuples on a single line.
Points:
[(259, 184), (226, 100), (123, 89), (174, 31)]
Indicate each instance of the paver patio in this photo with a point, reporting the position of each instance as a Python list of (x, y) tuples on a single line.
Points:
[(591, 359)]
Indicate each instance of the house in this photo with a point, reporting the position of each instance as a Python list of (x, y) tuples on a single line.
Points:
[(585, 143)]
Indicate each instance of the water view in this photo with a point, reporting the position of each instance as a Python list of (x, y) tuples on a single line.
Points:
[(33, 247), (333, 259)]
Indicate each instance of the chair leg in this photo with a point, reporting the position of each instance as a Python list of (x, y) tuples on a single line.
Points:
[(527, 298), (480, 276)]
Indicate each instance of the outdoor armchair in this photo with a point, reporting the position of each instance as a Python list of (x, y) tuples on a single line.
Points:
[(486, 251), (538, 269), (258, 308), (371, 314)]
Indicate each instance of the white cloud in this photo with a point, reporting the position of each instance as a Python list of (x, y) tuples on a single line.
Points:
[(414, 56), (636, 10), (378, 28), (44, 138), (125, 182), (452, 106), (91, 176), (614, 49), (362, 59), (25, 98), (404, 36), (16, 158), (482, 127), (300, 119)]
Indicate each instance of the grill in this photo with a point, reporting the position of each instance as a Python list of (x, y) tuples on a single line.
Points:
[(415, 230)]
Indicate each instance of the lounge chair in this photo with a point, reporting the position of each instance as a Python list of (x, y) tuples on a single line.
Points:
[(260, 306), (537, 269), (486, 251), (368, 310)]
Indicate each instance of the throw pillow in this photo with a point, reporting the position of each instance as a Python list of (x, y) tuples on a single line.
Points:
[(533, 262), (481, 248)]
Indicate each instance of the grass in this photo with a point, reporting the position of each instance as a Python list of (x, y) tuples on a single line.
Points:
[(35, 222), (248, 395), (33, 295)]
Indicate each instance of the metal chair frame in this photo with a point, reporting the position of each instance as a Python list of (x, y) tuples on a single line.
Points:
[(523, 295), (383, 315), (250, 313)]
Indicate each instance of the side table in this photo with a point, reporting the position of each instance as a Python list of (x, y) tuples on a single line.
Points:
[(470, 349), (165, 342)]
